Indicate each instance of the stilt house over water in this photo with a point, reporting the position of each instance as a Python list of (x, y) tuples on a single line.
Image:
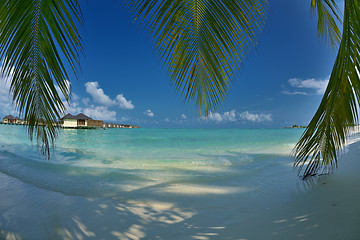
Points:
[(11, 119), (80, 121)]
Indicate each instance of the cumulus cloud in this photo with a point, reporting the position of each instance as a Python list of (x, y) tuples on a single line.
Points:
[(6, 106), (215, 117), (233, 116), (85, 101), (255, 117), (95, 112), (149, 113), (225, 117), (167, 120), (6, 97), (183, 116), (100, 97), (73, 96), (100, 112), (98, 94), (318, 85), (230, 116), (73, 108), (123, 103)]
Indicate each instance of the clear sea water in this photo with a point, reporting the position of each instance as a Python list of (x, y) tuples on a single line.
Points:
[(108, 162), (200, 170)]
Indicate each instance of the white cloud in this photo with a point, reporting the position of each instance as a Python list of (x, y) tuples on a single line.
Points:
[(6, 106), (183, 116), (100, 113), (123, 103), (149, 113), (72, 108), (255, 117), (230, 116), (72, 95), (215, 117), (100, 97), (318, 85), (5, 87), (85, 101), (167, 120), (294, 93), (225, 117), (62, 97), (98, 94), (95, 112), (233, 116)]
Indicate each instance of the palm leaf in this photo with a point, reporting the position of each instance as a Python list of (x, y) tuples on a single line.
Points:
[(202, 42), (319, 147), (35, 37), (328, 19)]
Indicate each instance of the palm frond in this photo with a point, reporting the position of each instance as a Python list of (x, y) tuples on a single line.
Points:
[(321, 143), (202, 42), (328, 19), (36, 36)]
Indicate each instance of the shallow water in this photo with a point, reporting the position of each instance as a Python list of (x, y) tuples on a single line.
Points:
[(193, 172), (115, 160)]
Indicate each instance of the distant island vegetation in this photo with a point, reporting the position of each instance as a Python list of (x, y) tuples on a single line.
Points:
[(296, 126)]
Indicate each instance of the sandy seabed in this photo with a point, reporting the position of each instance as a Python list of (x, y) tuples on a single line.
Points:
[(329, 209)]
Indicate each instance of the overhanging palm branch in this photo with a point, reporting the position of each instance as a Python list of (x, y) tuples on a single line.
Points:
[(35, 37), (202, 42), (328, 19), (326, 134)]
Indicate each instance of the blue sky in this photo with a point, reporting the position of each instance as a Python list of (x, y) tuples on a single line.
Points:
[(122, 79)]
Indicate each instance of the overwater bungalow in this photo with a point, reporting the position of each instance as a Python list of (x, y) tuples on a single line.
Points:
[(117, 125), (11, 119), (80, 121)]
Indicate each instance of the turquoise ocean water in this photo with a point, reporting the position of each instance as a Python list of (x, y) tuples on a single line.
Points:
[(107, 162), (201, 171)]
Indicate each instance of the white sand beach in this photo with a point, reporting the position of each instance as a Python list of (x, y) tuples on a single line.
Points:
[(328, 208)]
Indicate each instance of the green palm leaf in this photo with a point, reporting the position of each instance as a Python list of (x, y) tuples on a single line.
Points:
[(35, 37), (319, 146), (202, 42), (328, 19)]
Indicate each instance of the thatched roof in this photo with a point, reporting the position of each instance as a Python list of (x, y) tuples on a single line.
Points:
[(68, 116), (80, 116), (83, 117), (11, 117)]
